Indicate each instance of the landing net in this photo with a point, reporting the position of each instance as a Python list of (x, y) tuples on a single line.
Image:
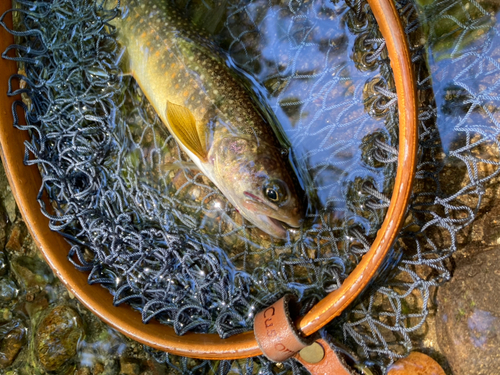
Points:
[(169, 244)]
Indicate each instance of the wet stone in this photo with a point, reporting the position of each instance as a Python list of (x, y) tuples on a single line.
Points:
[(468, 319), (11, 345), (57, 337), (14, 243), (3, 227), (8, 290), (98, 368), (7, 198), (32, 271), (10, 207), (109, 367), (416, 363), (5, 315), (129, 367), (3, 264)]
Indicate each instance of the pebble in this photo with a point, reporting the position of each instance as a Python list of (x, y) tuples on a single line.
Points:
[(10, 207), (8, 290), (11, 345), (32, 271), (416, 364), (5, 315), (14, 244), (57, 337), (98, 368), (468, 318), (129, 367), (110, 367)]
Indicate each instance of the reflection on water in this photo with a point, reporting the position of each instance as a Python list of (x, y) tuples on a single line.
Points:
[(156, 231), (316, 68), (466, 73), (481, 325), (315, 62), (312, 61)]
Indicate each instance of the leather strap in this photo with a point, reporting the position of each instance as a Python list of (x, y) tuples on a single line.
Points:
[(332, 362), (279, 339), (275, 331)]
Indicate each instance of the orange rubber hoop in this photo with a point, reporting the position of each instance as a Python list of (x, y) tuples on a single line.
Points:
[(25, 182)]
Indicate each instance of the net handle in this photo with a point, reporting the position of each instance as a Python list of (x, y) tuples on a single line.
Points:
[(25, 182)]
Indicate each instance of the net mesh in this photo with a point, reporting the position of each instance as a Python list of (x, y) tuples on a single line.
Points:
[(168, 243), (165, 240)]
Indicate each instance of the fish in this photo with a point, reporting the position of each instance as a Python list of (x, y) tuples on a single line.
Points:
[(210, 113)]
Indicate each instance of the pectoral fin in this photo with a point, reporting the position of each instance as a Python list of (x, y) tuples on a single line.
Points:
[(179, 164), (183, 125)]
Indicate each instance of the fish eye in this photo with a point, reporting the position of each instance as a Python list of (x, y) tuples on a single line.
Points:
[(275, 191), (272, 194)]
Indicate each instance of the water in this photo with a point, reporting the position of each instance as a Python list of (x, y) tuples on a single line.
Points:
[(330, 100), (307, 67)]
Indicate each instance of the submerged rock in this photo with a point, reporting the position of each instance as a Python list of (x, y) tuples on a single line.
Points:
[(10, 207), (14, 244), (32, 271), (3, 264), (12, 343), (8, 290), (57, 337), (129, 366), (109, 367), (468, 319)]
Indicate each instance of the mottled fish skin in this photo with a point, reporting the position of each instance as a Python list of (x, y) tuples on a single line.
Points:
[(174, 63)]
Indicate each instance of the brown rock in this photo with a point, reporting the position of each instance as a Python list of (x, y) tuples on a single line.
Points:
[(129, 367), (153, 367), (40, 303), (57, 337), (11, 345), (83, 371), (10, 207), (14, 243), (32, 271), (416, 364), (468, 318), (98, 368)]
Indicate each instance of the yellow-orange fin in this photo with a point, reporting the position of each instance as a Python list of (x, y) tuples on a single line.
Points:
[(183, 126)]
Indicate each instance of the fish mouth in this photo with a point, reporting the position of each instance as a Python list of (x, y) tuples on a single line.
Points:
[(268, 224), (275, 227)]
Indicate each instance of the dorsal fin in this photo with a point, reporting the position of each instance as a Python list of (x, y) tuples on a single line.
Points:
[(183, 126)]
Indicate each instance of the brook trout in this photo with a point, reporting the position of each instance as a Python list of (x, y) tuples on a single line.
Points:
[(210, 114)]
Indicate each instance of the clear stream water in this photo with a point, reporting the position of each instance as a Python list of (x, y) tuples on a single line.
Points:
[(319, 70)]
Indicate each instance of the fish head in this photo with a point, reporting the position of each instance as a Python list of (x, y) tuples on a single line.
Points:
[(257, 178)]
